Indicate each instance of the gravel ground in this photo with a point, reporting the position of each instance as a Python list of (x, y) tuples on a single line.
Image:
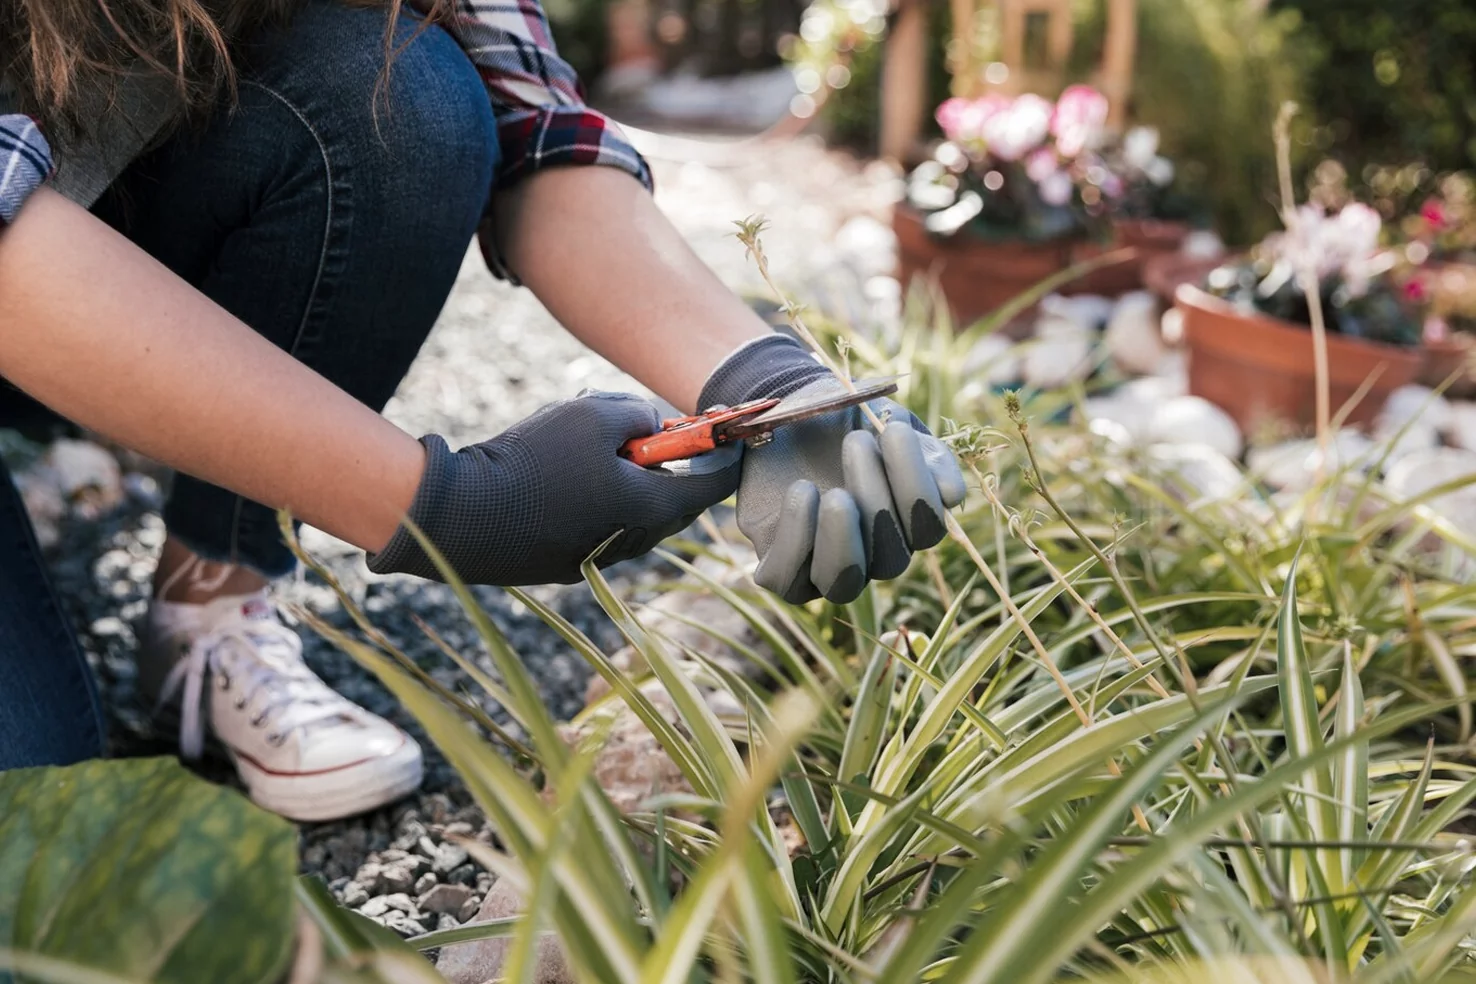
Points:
[(494, 357)]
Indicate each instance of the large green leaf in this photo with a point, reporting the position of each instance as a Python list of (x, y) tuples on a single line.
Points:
[(142, 870)]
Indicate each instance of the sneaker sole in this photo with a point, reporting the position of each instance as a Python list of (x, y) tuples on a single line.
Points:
[(336, 793)]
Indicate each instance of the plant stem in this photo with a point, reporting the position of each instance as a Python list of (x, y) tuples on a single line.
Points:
[(1310, 286)]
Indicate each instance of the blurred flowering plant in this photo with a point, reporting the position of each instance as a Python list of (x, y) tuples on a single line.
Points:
[(1341, 248), (1018, 168), (1145, 185), (1445, 225)]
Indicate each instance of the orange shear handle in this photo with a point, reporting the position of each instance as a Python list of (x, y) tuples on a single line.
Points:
[(686, 437)]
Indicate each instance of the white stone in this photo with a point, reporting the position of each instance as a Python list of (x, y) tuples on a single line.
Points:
[(1133, 417), (1291, 465), (1202, 244), (1159, 388), (1462, 425), (1413, 402), (994, 360), (82, 467), (1133, 337), (1209, 474), (1061, 353), (1424, 470), (1418, 435), (1086, 310), (1195, 420)]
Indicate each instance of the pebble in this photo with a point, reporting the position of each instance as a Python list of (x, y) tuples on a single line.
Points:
[(1292, 465), (1195, 420), (469, 908), (1424, 470), (1134, 338), (1061, 353), (448, 858), (448, 899), (353, 895), (425, 883), (1461, 427)]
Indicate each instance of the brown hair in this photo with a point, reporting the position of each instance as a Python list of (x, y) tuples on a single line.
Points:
[(68, 58)]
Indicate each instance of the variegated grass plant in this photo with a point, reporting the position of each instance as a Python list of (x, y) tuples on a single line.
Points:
[(1109, 732)]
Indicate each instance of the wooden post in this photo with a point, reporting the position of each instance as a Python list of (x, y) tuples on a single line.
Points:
[(1118, 50), (904, 94), (966, 79)]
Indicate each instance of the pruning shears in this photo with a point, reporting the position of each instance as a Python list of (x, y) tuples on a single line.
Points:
[(753, 422)]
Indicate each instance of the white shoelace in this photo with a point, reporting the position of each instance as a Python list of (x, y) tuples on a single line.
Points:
[(253, 657)]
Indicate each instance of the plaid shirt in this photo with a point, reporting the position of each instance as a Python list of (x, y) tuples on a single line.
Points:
[(542, 120)]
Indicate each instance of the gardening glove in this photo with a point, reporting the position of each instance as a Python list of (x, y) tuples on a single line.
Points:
[(828, 503), (530, 505)]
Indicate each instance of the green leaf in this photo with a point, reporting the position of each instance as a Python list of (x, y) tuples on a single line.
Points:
[(142, 870), (1304, 731)]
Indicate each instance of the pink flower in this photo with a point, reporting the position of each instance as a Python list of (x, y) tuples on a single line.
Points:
[(1415, 291), (1433, 214), (1041, 164), (963, 119), (1013, 132), (1079, 117), (1056, 188)]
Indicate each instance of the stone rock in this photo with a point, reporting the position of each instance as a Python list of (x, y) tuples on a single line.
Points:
[(1133, 338), (1424, 470), (395, 878), (1202, 472), (425, 883), (469, 908), (1291, 465), (86, 473), (449, 857), (1133, 417), (1203, 244), (1413, 402), (1195, 420), (993, 360), (631, 766), (1396, 443), (482, 960), (1461, 428), (384, 903), (447, 899), (1090, 311), (463, 875), (1060, 354), (354, 895)]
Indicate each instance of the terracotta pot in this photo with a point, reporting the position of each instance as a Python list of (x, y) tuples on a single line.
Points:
[(976, 277), (1260, 369), (1456, 354), (1149, 237)]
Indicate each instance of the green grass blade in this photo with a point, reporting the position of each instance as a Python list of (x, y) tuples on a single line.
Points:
[(1350, 770), (1304, 731), (1007, 945)]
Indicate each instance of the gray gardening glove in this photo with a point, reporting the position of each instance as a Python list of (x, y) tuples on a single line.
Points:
[(528, 506), (829, 504)]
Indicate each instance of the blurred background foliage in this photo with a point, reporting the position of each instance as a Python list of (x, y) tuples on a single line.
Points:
[(1386, 86)]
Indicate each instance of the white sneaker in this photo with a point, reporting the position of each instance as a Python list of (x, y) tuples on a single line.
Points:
[(303, 751)]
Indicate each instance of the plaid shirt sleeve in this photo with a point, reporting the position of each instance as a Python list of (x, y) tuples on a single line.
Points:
[(25, 164), (542, 119)]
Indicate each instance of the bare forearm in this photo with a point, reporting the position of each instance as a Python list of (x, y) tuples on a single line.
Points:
[(98, 331), (595, 249)]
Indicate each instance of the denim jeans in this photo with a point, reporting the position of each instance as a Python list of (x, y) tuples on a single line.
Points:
[(329, 209)]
